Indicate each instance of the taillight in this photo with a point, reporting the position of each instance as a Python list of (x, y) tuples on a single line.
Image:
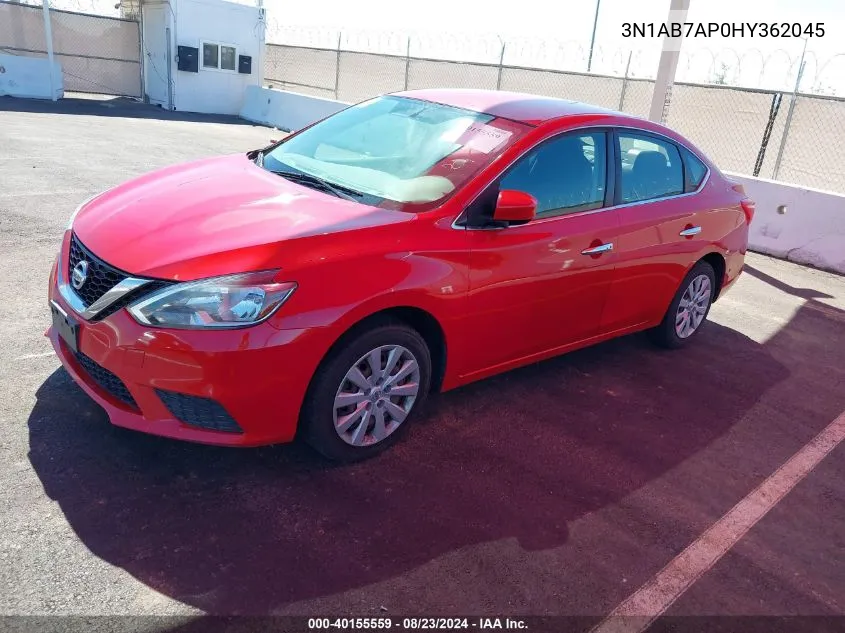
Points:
[(748, 205)]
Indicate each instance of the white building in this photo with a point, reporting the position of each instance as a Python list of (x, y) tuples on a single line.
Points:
[(200, 55)]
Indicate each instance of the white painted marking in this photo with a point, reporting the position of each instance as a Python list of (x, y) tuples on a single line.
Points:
[(41, 355), (24, 194), (651, 600)]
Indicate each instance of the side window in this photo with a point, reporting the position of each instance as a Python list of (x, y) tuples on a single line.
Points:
[(651, 168), (228, 58), (566, 174), (694, 169)]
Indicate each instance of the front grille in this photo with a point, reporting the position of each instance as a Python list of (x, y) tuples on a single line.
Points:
[(102, 277), (197, 411), (130, 297), (106, 380)]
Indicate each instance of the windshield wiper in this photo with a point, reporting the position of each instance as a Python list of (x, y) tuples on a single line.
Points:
[(325, 185)]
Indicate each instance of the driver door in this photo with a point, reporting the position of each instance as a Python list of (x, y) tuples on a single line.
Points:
[(537, 288)]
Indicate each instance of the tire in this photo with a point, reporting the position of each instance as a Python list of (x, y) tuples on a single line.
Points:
[(330, 430), (673, 332)]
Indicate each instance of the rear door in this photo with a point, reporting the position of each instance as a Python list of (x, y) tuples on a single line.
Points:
[(536, 286), (664, 225)]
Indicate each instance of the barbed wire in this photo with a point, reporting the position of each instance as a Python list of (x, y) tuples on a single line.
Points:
[(749, 68), (96, 7)]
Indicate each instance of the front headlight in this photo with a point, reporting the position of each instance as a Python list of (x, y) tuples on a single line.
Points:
[(219, 302)]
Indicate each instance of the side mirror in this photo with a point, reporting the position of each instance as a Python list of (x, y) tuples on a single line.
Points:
[(515, 207)]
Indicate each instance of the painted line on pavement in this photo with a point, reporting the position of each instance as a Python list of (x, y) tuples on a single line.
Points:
[(39, 355), (651, 600)]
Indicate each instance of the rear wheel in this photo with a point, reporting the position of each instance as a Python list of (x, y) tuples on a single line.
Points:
[(689, 308), (366, 391)]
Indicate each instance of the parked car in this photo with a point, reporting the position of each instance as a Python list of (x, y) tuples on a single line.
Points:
[(321, 287)]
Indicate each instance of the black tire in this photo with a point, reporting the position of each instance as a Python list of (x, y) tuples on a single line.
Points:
[(665, 334), (317, 424)]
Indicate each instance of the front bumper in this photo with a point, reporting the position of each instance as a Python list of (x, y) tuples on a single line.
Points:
[(258, 375)]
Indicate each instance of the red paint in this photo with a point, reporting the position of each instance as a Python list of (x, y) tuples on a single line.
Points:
[(503, 298), (749, 206)]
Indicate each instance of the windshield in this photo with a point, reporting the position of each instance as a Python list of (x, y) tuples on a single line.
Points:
[(396, 152)]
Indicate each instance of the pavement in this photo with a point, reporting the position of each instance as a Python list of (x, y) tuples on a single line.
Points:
[(557, 489)]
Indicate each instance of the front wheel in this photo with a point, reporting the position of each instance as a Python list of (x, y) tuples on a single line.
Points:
[(366, 391), (689, 308)]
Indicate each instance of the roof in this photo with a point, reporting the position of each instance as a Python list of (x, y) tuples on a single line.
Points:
[(517, 106)]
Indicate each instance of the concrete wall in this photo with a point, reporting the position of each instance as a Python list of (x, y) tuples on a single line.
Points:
[(29, 77), (288, 111), (97, 53), (800, 224)]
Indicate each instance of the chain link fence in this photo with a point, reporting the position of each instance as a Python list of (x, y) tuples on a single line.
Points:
[(744, 130), (812, 148), (98, 54)]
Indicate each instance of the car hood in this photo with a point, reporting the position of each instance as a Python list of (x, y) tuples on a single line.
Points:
[(212, 217)]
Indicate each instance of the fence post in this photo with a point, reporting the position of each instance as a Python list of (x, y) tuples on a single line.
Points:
[(593, 38), (48, 40), (767, 132), (407, 60), (501, 64), (337, 66), (625, 82), (788, 121)]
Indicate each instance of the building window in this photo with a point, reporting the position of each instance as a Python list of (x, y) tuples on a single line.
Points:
[(209, 56), (228, 58), (217, 56)]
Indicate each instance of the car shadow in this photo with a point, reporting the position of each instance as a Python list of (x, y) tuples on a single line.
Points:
[(803, 293), (248, 531)]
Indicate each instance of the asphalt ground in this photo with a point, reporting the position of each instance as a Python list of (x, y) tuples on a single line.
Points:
[(557, 489)]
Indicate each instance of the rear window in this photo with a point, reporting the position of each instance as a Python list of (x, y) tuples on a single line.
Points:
[(695, 170), (651, 167)]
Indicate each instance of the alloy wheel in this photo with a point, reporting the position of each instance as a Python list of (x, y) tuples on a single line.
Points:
[(693, 306), (376, 395)]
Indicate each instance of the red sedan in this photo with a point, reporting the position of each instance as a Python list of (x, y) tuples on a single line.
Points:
[(324, 285)]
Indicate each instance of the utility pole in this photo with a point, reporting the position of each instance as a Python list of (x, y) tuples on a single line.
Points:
[(668, 61), (48, 37)]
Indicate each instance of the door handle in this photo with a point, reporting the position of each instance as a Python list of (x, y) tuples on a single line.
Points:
[(693, 230), (598, 250)]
